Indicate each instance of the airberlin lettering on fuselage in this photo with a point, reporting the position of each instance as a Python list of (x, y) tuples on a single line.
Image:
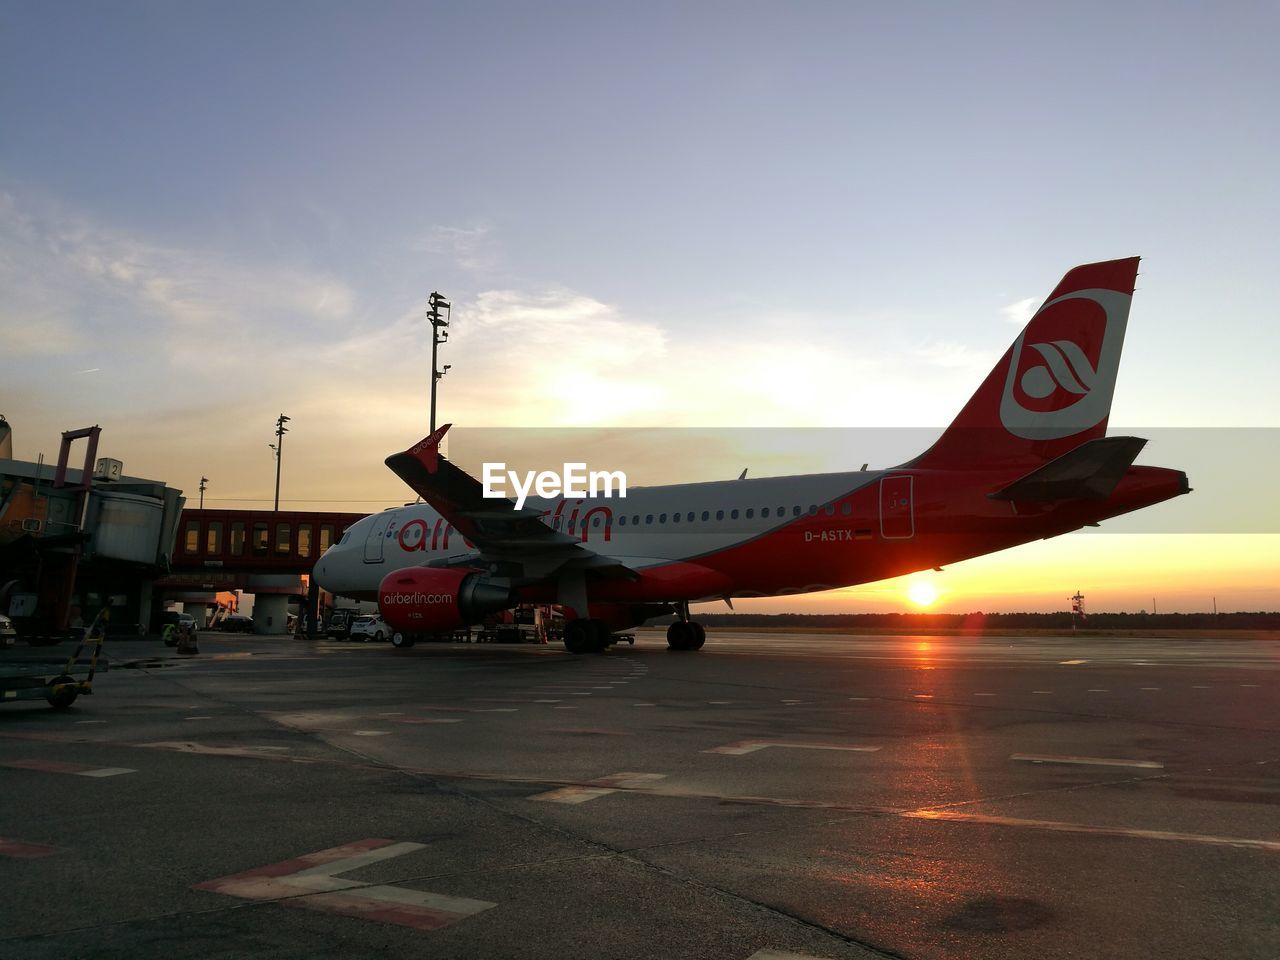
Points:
[(419, 534)]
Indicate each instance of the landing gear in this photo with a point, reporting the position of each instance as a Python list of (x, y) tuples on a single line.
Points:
[(401, 640), (684, 634), (587, 636)]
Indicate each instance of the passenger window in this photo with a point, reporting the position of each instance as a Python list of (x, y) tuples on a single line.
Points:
[(831, 509), (795, 511), (733, 514), (751, 512), (719, 514), (662, 518), (846, 508), (813, 509), (764, 512), (649, 518), (635, 519), (622, 521), (690, 517), (782, 512), (706, 515), (595, 522)]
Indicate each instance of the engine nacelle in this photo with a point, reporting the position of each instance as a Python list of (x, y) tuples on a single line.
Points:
[(430, 599)]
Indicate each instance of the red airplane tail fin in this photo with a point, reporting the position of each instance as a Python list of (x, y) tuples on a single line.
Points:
[(1051, 391)]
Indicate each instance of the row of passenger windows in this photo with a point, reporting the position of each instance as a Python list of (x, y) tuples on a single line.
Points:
[(260, 538), (749, 513)]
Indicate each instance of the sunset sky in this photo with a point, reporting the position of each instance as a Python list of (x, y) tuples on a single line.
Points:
[(678, 215)]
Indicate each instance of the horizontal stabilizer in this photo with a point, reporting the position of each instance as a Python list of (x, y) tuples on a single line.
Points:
[(1089, 472)]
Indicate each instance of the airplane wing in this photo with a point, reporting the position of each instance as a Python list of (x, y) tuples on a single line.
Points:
[(497, 529), (1089, 472)]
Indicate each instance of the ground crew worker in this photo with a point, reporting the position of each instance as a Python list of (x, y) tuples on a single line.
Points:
[(170, 634)]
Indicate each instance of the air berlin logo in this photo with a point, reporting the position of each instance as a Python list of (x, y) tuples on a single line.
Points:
[(1061, 383)]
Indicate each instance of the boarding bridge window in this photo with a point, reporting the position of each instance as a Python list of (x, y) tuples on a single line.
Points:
[(261, 538), (304, 539), (326, 536), (191, 536), (283, 539), (236, 540), (213, 538)]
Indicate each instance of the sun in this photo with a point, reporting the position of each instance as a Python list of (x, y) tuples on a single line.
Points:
[(922, 593)]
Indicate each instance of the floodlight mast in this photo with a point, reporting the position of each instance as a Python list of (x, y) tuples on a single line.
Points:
[(278, 446), (436, 303)]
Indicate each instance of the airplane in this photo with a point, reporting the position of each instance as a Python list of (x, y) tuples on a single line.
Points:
[(1027, 458)]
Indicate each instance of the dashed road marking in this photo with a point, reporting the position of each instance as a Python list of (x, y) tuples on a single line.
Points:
[(1150, 688), (417, 720), (1087, 761), (1071, 663), (21, 850), (197, 718), (984, 694), (58, 766), (1098, 690), (371, 733), (312, 882), (1248, 684), (741, 747), (1042, 691), (546, 701)]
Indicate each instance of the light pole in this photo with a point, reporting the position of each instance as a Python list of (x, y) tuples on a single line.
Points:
[(203, 481), (439, 334), (278, 447)]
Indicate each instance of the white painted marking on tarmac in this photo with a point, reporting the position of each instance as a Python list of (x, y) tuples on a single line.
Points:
[(1272, 846), (719, 703), (546, 701), (497, 710), (314, 884), (564, 707), (1248, 684), (1087, 761), (91, 721), (644, 704), (1071, 663), (984, 694), (1150, 688), (392, 713), (741, 747), (1200, 687), (371, 733), (771, 954), (418, 720), (859, 698), (1042, 691), (197, 718)]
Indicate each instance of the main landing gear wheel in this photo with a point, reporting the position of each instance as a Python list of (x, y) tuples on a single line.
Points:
[(586, 636), (686, 635), (401, 640)]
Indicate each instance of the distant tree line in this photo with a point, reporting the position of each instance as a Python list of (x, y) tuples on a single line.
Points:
[(907, 622)]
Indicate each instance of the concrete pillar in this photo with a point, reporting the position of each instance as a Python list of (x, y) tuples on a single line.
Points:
[(270, 613), (144, 606)]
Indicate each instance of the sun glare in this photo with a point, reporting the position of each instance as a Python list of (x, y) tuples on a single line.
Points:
[(922, 593)]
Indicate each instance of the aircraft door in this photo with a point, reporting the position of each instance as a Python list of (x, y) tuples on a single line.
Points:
[(373, 542), (897, 513)]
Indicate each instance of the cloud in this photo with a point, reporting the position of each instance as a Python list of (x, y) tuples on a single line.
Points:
[(471, 248), (1020, 312)]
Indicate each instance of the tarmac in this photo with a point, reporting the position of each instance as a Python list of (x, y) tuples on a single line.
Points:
[(772, 796)]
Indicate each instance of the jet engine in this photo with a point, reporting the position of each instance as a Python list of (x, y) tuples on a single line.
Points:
[(429, 599)]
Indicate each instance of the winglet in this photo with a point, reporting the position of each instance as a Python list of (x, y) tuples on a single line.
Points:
[(427, 450)]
